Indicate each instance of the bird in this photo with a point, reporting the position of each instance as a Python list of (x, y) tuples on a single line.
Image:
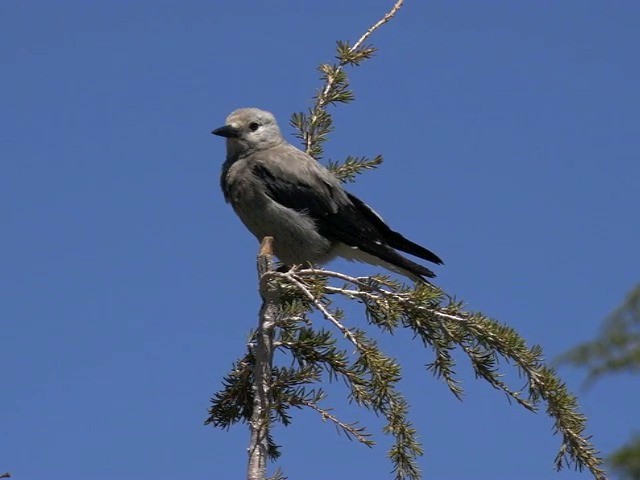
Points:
[(280, 191)]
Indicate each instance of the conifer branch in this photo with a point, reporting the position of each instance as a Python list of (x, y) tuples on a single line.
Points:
[(617, 347), (314, 126), (483, 340), (371, 377), (349, 55), (349, 429), (318, 304), (352, 166), (278, 475), (259, 393)]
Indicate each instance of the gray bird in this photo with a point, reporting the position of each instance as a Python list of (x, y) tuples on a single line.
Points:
[(278, 190)]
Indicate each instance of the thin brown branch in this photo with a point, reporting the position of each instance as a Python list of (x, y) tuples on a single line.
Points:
[(290, 277), (389, 15)]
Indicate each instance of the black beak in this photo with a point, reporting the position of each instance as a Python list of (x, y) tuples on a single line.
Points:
[(227, 131)]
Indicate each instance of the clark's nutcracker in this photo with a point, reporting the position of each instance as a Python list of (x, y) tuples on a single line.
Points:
[(278, 190)]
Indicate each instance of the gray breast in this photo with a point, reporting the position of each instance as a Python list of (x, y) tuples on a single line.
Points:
[(296, 240)]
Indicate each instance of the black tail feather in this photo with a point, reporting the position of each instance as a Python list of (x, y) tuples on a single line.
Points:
[(391, 237), (390, 256), (395, 240)]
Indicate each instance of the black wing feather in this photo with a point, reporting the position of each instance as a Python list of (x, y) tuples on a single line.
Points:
[(393, 238), (345, 219), (298, 196)]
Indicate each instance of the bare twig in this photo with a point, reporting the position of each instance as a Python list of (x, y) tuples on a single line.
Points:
[(263, 353), (328, 273), (290, 276), (389, 15)]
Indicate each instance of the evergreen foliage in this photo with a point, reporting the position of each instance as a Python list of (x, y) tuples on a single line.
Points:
[(305, 353), (615, 350)]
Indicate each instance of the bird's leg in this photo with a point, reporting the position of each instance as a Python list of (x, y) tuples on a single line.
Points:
[(293, 268), (283, 268)]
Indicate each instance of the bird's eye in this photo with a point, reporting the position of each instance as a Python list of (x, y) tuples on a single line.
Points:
[(253, 126)]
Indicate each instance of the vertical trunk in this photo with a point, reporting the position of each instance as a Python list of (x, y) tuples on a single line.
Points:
[(263, 353)]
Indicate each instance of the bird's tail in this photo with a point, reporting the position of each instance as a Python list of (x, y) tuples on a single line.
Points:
[(386, 257), (395, 240)]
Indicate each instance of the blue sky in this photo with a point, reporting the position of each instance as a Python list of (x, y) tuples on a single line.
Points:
[(510, 137)]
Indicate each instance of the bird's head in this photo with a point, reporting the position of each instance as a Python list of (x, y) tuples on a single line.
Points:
[(250, 129)]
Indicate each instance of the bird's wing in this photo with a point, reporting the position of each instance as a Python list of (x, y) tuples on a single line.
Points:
[(297, 181), (393, 238), (298, 189)]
